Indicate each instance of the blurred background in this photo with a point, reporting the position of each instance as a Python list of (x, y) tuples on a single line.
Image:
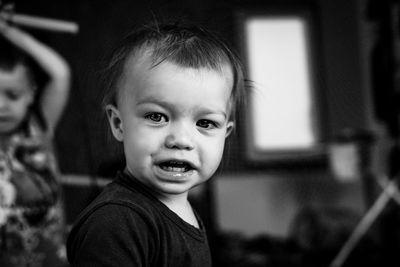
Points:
[(290, 199)]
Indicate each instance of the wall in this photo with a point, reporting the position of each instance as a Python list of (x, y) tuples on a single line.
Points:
[(267, 204)]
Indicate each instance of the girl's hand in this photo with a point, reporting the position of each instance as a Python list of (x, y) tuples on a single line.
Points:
[(31, 152), (6, 12)]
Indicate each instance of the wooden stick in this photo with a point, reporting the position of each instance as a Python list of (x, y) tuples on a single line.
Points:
[(383, 181), (365, 224), (44, 23)]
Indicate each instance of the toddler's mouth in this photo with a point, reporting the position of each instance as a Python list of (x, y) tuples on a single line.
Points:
[(175, 166)]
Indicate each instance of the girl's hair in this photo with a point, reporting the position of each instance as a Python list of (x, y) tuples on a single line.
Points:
[(11, 57), (184, 45)]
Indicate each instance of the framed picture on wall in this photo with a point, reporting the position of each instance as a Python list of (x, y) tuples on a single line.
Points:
[(284, 117)]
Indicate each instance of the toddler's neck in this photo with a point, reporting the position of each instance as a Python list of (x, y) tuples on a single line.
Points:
[(183, 209)]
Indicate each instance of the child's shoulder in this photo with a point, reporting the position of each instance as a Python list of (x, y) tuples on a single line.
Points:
[(119, 200), (113, 217), (119, 194), (116, 211), (32, 127)]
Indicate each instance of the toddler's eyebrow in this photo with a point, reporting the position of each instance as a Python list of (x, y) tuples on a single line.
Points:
[(170, 106)]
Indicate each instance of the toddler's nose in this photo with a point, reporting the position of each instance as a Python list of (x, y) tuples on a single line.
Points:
[(179, 137)]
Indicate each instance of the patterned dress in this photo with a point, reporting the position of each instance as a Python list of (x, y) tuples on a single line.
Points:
[(31, 211)]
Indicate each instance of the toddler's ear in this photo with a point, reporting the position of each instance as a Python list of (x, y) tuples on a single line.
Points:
[(229, 128), (115, 122)]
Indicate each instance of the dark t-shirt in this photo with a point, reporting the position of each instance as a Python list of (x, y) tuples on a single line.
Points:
[(127, 226)]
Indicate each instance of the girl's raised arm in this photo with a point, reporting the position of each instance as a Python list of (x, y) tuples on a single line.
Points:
[(55, 93)]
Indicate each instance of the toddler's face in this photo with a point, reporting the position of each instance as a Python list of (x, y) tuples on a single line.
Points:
[(16, 95), (173, 122)]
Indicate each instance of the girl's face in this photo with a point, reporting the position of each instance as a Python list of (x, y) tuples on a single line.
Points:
[(16, 95), (173, 122)]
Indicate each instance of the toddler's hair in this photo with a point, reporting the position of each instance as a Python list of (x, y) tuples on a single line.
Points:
[(185, 45)]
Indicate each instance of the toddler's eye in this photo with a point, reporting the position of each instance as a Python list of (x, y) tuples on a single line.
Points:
[(207, 124), (156, 117)]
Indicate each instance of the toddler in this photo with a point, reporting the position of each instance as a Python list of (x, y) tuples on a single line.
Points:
[(171, 100)]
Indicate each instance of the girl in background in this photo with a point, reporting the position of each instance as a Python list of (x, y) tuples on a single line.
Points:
[(31, 210)]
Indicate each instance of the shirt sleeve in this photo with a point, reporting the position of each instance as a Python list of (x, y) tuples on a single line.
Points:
[(113, 235)]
